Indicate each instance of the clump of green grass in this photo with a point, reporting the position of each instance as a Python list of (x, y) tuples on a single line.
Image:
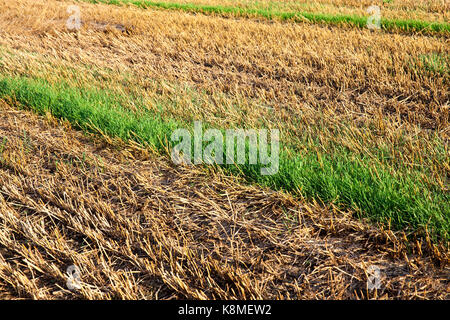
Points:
[(436, 63), (349, 180), (89, 109), (353, 182), (2, 148), (431, 64)]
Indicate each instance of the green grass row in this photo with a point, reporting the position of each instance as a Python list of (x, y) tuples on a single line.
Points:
[(358, 21), (348, 180)]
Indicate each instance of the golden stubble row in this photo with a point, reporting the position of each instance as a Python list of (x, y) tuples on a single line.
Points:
[(437, 10), (286, 64), (426, 5)]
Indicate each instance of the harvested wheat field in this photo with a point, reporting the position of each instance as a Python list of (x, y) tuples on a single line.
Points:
[(92, 94), (141, 229)]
